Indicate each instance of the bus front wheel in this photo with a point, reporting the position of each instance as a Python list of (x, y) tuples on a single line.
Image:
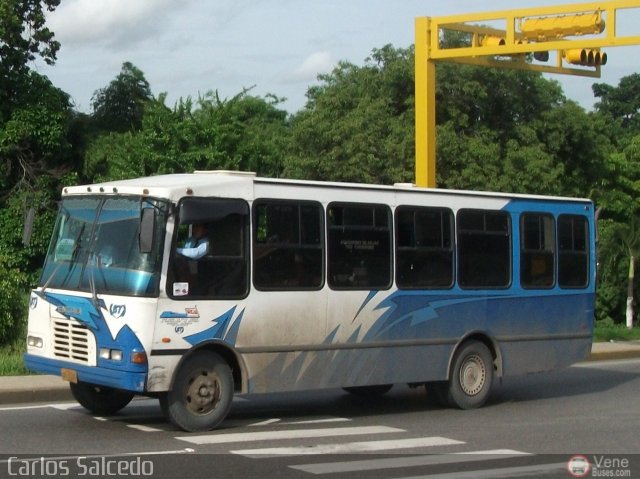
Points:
[(98, 399), (471, 376), (201, 395)]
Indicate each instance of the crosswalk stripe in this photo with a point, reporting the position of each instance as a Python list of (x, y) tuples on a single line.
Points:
[(143, 428), (349, 447), (410, 461), (288, 434), (533, 470), (320, 421), (265, 423)]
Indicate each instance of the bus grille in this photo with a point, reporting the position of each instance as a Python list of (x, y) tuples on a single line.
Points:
[(71, 340)]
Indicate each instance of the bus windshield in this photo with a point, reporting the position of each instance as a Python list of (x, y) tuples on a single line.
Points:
[(96, 246)]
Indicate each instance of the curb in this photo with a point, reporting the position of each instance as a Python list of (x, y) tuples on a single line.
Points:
[(33, 389), (35, 396)]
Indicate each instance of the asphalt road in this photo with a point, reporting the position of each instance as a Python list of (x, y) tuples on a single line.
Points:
[(532, 426)]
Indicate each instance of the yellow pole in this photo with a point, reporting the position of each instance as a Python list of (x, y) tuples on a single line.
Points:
[(425, 102)]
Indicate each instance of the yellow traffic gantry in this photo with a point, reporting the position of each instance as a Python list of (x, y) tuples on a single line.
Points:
[(522, 35)]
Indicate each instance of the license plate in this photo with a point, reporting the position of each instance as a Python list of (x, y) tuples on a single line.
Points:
[(69, 375)]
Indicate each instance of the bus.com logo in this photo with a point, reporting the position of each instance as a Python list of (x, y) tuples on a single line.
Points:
[(578, 466)]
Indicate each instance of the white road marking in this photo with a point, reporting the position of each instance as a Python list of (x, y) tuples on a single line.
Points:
[(22, 408), (320, 421), (349, 447), (411, 461), (265, 423), (143, 428), (66, 406), (288, 434), (534, 470)]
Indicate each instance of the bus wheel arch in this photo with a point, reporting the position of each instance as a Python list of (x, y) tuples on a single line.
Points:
[(202, 388), (474, 364), (227, 354), (489, 342)]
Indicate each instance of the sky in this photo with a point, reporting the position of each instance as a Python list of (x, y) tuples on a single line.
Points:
[(187, 48)]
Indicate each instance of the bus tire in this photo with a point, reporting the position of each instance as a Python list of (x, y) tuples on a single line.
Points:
[(471, 376), (99, 399), (201, 395)]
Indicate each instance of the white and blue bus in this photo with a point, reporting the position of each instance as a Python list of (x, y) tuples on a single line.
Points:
[(306, 285)]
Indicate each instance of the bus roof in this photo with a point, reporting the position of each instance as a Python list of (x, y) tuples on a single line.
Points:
[(241, 184)]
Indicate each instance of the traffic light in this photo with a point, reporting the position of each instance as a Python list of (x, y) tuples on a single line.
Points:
[(586, 57), (560, 26), (541, 56)]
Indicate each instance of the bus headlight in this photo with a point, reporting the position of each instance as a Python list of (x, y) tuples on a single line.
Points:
[(112, 354), (34, 342)]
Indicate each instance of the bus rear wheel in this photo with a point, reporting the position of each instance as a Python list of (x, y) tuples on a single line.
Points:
[(471, 376), (201, 395), (99, 399)]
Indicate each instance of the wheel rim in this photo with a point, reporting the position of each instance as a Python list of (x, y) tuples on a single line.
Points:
[(203, 392), (473, 375)]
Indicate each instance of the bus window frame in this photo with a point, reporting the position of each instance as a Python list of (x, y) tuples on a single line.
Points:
[(202, 212), (452, 249), (508, 234), (388, 228), (287, 245), (524, 250), (586, 254)]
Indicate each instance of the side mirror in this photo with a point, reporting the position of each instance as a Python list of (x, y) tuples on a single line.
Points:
[(147, 230)]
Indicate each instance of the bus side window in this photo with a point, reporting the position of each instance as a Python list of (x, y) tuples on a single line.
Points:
[(359, 248), (537, 250), (223, 271), (288, 242), (424, 247), (484, 249), (573, 251)]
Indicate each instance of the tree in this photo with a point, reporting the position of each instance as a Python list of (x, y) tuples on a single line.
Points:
[(34, 118), (358, 123), (119, 106), (624, 242), (620, 106), (33, 139), (23, 37), (241, 133)]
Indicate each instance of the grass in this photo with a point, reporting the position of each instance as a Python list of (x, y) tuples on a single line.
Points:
[(610, 331), (11, 362)]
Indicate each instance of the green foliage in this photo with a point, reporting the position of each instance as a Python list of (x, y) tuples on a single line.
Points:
[(243, 133), (34, 150), (620, 106), (11, 305), (513, 131), (358, 124), (120, 105), (33, 139), (12, 350), (608, 330), (23, 37)]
